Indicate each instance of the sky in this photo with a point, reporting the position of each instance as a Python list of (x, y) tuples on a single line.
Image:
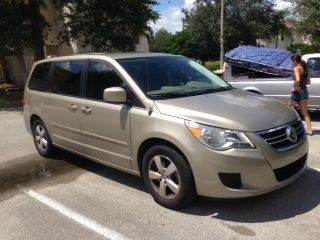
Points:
[(171, 14)]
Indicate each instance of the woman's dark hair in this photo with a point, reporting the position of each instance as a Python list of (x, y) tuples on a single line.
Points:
[(297, 58)]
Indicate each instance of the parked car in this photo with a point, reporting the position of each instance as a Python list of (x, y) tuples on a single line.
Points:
[(255, 80), (168, 119)]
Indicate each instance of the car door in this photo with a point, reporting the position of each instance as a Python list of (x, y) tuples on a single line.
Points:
[(61, 104), (268, 85), (105, 127)]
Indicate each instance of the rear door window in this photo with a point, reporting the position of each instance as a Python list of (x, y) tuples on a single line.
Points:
[(66, 77), (40, 77), (314, 67)]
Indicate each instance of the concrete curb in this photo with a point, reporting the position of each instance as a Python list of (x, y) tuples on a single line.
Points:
[(11, 110)]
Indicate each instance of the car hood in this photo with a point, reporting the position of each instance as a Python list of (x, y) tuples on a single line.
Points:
[(234, 109)]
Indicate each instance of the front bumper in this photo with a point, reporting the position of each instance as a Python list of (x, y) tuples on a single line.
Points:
[(261, 170), (26, 117)]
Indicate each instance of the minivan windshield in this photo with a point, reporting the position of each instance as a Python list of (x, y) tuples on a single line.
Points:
[(172, 76)]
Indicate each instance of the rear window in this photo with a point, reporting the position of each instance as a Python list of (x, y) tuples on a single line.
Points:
[(314, 67), (40, 77), (66, 78)]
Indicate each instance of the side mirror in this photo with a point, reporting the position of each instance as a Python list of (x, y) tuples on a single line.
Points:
[(115, 95)]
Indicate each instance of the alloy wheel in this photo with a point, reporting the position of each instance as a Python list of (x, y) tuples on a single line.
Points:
[(41, 138), (164, 176)]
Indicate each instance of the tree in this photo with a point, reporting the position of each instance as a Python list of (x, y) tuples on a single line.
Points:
[(22, 26), (246, 21), (160, 41), (308, 15), (202, 23), (106, 25), (180, 43), (101, 24), (249, 20), (303, 48)]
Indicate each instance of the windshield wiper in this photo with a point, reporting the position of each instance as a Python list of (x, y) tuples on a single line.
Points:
[(191, 93), (211, 90), (170, 95)]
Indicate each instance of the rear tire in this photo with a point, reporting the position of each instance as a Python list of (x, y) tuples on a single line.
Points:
[(42, 139), (168, 177)]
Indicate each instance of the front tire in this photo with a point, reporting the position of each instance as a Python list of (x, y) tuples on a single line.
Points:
[(42, 140), (168, 177)]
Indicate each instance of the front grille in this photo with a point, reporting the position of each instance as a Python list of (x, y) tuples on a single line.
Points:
[(289, 170), (278, 138)]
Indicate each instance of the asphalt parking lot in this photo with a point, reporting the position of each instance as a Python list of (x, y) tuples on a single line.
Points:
[(73, 198)]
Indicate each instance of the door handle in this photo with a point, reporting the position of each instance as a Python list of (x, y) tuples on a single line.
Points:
[(86, 110), (72, 107)]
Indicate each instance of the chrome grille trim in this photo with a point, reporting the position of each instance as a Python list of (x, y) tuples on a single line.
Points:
[(282, 135), (277, 139)]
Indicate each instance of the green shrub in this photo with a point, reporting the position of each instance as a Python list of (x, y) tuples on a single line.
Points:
[(10, 99), (303, 48), (212, 65)]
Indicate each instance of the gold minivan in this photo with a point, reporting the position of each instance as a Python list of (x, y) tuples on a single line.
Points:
[(168, 119)]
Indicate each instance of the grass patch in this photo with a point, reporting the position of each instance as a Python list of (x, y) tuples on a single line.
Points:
[(11, 99), (212, 65)]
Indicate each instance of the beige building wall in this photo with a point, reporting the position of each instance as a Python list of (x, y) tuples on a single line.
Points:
[(283, 42), (143, 45), (52, 44)]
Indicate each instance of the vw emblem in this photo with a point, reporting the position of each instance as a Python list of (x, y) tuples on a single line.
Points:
[(291, 134)]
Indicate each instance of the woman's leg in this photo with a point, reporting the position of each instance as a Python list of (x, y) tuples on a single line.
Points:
[(304, 110), (295, 98), (292, 104)]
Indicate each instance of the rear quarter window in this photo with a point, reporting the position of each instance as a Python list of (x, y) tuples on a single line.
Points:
[(40, 77)]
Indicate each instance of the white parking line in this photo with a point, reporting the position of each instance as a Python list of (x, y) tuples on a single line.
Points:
[(88, 223)]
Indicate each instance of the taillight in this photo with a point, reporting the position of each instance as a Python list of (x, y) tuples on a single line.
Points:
[(24, 101)]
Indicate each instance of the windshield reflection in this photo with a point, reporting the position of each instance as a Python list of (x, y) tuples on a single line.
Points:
[(172, 76)]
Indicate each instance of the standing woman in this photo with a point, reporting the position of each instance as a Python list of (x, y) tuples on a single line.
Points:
[(299, 93)]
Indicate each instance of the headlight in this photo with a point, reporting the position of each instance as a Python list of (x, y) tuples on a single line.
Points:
[(218, 138)]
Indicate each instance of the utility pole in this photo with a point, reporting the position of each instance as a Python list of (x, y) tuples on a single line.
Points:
[(221, 34)]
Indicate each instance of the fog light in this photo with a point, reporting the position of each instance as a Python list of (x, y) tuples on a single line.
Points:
[(231, 180)]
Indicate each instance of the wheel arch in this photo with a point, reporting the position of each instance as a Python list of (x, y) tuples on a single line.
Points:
[(253, 90), (148, 143), (33, 118)]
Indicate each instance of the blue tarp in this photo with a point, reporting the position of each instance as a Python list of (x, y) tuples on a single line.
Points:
[(267, 60)]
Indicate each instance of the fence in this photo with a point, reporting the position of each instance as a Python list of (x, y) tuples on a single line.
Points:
[(18, 70)]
